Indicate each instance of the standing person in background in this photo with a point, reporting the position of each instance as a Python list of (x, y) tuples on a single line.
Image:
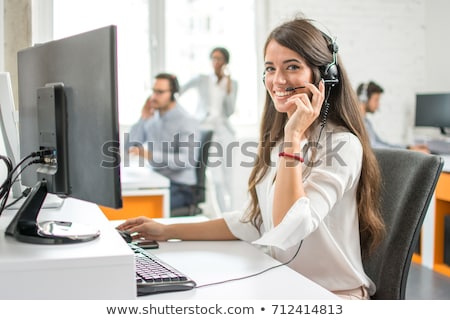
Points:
[(216, 103), (165, 135), (369, 95)]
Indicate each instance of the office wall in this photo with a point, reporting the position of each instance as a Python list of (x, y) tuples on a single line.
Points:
[(437, 46), (2, 38), (16, 29)]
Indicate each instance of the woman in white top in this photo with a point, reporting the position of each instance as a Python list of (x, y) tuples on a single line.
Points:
[(217, 93), (314, 190)]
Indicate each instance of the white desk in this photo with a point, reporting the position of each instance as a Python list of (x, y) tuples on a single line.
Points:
[(140, 178), (214, 261), (104, 268), (142, 190), (143, 181), (446, 167), (98, 269)]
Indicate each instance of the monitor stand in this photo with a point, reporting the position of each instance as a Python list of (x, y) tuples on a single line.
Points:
[(52, 201), (25, 227)]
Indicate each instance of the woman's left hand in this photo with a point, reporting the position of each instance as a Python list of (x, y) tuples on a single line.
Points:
[(305, 111)]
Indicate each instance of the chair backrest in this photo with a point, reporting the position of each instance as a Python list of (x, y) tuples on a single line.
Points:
[(408, 182), (202, 164), (199, 189)]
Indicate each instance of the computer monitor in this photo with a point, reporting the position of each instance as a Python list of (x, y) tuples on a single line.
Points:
[(433, 110), (68, 119), (9, 144)]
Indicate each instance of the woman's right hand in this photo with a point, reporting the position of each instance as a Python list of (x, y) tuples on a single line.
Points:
[(143, 227), (306, 109)]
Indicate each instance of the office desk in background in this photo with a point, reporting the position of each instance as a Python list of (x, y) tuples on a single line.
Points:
[(431, 253), (144, 193)]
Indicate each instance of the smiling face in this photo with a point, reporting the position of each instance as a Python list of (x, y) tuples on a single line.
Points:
[(284, 68)]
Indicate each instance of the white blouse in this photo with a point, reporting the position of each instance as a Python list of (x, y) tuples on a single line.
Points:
[(326, 219)]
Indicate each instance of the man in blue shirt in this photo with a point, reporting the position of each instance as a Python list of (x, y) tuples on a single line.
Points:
[(167, 136), (369, 95)]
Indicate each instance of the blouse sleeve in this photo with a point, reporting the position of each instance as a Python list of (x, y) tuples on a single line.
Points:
[(337, 170), (192, 83), (241, 230), (229, 102)]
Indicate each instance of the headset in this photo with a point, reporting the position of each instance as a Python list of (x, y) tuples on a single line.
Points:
[(330, 72), (174, 86), (173, 83), (364, 94)]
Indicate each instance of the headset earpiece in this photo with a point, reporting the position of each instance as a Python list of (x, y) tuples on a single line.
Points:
[(264, 78), (363, 95), (175, 86), (330, 72)]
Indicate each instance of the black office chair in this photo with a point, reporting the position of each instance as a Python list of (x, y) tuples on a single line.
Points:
[(408, 182), (199, 189)]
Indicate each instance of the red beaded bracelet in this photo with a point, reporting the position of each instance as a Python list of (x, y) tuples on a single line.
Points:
[(290, 155)]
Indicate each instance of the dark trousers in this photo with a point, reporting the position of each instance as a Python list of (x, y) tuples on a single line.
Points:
[(181, 195)]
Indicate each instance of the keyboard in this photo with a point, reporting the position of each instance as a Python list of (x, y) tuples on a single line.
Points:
[(155, 276), (439, 146)]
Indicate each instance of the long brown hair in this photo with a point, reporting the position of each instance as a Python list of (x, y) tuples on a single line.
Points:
[(301, 36)]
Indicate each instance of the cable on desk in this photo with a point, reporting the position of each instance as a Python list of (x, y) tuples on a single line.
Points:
[(10, 180), (6, 185), (254, 274), (24, 194)]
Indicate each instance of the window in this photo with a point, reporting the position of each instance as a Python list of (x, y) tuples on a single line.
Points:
[(131, 18), (194, 27), (190, 29)]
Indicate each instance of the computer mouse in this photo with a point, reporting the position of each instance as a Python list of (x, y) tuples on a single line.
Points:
[(125, 235)]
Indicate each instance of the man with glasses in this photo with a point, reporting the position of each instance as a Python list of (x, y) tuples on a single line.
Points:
[(166, 135)]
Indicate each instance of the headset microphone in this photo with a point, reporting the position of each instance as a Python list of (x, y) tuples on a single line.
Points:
[(293, 89)]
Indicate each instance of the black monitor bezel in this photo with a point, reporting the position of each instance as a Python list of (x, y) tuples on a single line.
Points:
[(68, 115), (86, 64), (433, 110)]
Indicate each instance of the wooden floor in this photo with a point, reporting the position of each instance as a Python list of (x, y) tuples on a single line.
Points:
[(425, 284)]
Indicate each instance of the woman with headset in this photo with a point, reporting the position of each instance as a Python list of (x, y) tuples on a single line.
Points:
[(314, 189)]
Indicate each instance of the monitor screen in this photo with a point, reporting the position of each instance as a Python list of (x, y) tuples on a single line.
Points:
[(68, 119), (433, 110)]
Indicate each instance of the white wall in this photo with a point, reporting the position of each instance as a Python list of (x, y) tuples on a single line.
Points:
[(2, 39), (437, 46)]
